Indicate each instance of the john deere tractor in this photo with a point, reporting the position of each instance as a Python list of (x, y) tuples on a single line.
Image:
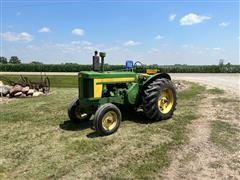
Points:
[(101, 93)]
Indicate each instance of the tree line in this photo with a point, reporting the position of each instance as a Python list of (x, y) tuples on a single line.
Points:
[(228, 68), (12, 60), (14, 64)]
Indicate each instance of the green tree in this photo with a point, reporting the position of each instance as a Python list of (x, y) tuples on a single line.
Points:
[(14, 60), (3, 60), (36, 62)]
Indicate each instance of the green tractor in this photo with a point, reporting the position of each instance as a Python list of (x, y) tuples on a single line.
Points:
[(101, 93)]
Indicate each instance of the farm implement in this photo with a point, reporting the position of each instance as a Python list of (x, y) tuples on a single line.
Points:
[(43, 84)]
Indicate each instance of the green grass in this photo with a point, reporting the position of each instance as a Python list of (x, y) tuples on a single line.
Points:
[(55, 81), (225, 135), (215, 91), (39, 142)]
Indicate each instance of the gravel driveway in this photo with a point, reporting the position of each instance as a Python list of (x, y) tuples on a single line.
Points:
[(230, 83)]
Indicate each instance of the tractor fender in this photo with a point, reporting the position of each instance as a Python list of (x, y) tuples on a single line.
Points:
[(154, 77)]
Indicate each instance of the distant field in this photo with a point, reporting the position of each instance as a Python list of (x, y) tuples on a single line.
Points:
[(226, 68)]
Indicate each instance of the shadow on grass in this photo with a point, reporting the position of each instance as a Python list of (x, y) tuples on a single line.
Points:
[(75, 126), (127, 115), (135, 116)]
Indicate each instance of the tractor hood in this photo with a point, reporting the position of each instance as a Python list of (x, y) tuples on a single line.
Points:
[(106, 74)]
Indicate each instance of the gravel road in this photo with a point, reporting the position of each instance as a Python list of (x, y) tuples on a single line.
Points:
[(228, 82)]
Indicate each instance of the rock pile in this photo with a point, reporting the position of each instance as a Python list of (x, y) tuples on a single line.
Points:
[(18, 91)]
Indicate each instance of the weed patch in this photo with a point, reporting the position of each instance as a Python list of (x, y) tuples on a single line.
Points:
[(215, 91), (225, 135)]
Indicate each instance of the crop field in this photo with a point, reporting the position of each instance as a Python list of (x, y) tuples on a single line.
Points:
[(62, 81), (39, 142)]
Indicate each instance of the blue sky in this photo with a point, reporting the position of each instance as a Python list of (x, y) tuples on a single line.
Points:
[(154, 32)]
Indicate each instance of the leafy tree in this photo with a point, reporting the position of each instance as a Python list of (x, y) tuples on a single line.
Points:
[(14, 60), (71, 64), (36, 62), (3, 60)]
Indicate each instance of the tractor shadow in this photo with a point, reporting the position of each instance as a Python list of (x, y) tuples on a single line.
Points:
[(127, 115), (135, 116), (69, 125)]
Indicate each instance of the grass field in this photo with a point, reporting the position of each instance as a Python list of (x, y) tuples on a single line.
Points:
[(55, 81), (39, 142)]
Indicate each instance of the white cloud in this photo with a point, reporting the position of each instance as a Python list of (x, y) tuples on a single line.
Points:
[(192, 18), (89, 48), (187, 46), (115, 48), (44, 30), (131, 43), (217, 49), (159, 37), (223, 24), (172, 17), (78, 31), (81, 43), (154, 50), (33, 48), (12, 36), (84, 43), (18, 14)]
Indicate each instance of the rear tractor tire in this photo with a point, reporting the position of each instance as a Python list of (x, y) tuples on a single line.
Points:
[(159, 99), (107, 119), (75, 114)]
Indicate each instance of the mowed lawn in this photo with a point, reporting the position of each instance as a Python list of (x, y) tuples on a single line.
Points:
[(39, 142)]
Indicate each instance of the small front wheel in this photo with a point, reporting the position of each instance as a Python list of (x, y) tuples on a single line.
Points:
[(107, 119), (75, 114)]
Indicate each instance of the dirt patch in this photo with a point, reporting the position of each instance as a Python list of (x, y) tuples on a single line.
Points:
[(201, 158)]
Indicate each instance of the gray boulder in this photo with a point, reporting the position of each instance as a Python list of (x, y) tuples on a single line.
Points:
[(30, 91), (18, 94), (25, 89), (4, 90), (15, 89), (35, 94)]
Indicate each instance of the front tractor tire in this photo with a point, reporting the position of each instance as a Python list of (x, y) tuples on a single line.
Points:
[(107, 119), (159, 99), (75, 114)]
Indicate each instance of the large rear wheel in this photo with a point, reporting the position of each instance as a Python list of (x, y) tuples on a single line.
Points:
[(159, 99), (75, 114)]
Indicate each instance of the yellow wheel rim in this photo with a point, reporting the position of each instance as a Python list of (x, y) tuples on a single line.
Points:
[(165, 101), (78, 113), (109, 120)]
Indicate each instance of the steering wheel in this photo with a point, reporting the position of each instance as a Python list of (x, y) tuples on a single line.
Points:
[(138, 66)]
